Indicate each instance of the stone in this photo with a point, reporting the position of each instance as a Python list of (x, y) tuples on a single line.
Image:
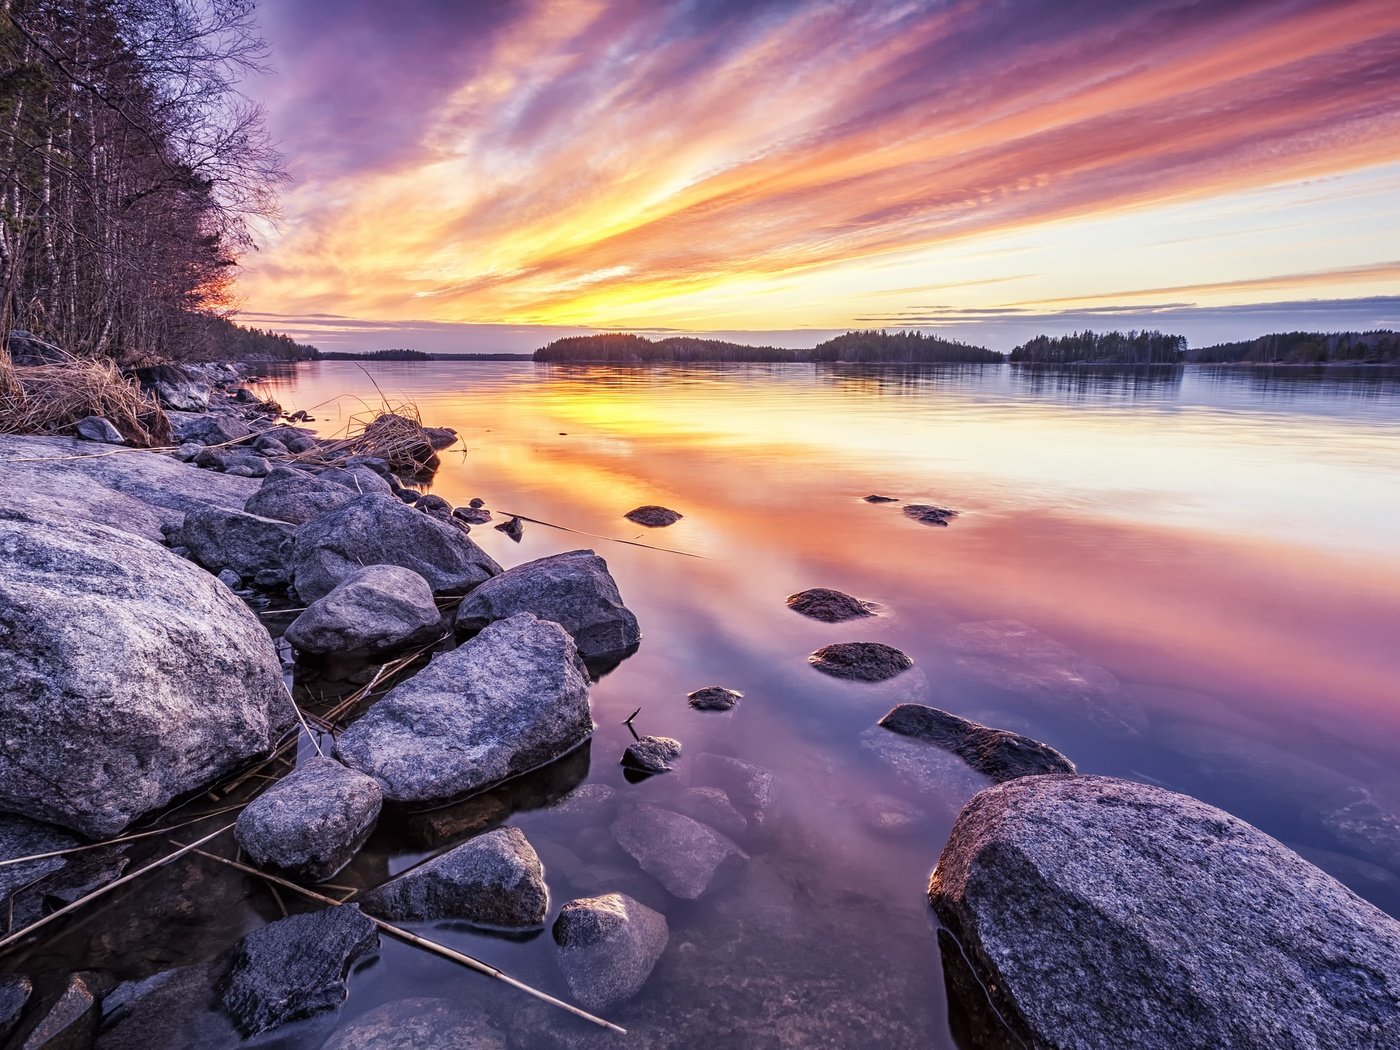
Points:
[(860, 661), (472, 515), (132, 677), (360, 480), (294, 496), (379, 530), (711, 806), (174, 387), (434, 505), (418, 1024), (374, 611), (230, 579), (652, 754), (685, 856), (513, 528), (219, 538), (714, 698), (575, 590), (21, 837), (476, 503), (70, 1020), (743, 782), (653, 517), (173, 1008), (872, 498), (1100, 912), (608, 947), (510, 700), (295, 967), (26, 348), (311, 822), (493, 880), (214, 428), (409, 496), (96, 428), (995, 753), (928, 515), (938, 775), (828, 606), (15, 992)]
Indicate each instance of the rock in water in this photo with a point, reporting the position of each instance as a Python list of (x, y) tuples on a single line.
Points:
[(861, 661), (927, 515), (418, 1024), (714, 698), (472, 515), (381, 530), (295, 967), (652, 754), (822, 603), (219, 538), (512, 527), (493, 880), (574, 590), (70, 1020), (131, 676), (608, 947), (873, 498), (654, 517), (996, 753), (508, 701), (310, 823), (682, 854), (1098, 912), (711, 806), (373, 611), (294, 496), (15, 990), (97, 428)]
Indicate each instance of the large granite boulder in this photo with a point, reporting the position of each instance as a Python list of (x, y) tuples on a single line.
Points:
[(373, 611), (996, 753), (381, 530), (294, 496), (131, 676), (508, 701), (682, 854), (575, 590), (212, 428), (608, 947), (492, 880), (1098, 912), (174, 387), (219, 538)]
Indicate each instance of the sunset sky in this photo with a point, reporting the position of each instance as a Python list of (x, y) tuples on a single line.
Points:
[(490, 175)]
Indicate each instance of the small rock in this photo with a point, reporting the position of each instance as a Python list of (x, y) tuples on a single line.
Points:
[(435, 505), (215, 428), (872, 498), (230, 579), (822, 603), (71, 1021), (472, 515), (409, 496), (928, 515), (682, 854), (476, 503), (15, 990), (711, 806), (374, 611), (996, 753), (608, 947), (652, 754), (96, 428), (418, 1024), (654, 517), (514, 528), (861, 661), (714, 698), (187, 452)]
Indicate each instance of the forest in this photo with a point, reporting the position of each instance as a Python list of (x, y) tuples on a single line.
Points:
[(1125, 348), (872, 346), (1300, 348)]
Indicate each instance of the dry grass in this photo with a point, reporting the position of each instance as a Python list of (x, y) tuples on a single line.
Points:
[(392, 432), (51, 399)]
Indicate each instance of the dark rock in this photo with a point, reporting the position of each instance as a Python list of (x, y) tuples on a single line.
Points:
[(714, 698), (822, 603), (940, 777), (509, 700), (374, 611), (927, 515), (229, 578), (25, 348), (188, 452), (682, 854), (359, 480), (68, 1022), (294, 496), (295, 967), (514, 528), (15, 991), (608, 947), (298, 443), (711, 806), (233, 461), (861, 661), (245, 396), (575, 590), (996, 753), (379, 530), (215, 428), (174, 387), (174, 1008), (472, 515), (418, 1024), (440, 437), (1100, 912), (409, 496), (21, 837), (652, 754), (219, 538), (95, 428), (434, 505), (881, 499), (311, 822), (653, 517), (493, 880), (476, 503), (375, 463)]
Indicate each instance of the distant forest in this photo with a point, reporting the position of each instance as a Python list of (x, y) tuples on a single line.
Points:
[(1118, 348), (413, 355), (853, 347), (1304, 348), (206, 337)]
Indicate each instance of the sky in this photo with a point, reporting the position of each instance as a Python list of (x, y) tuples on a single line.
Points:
[(487, 176)]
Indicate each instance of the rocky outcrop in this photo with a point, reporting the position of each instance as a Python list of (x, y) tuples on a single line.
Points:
[(219, 538), (860, 661), (654, 517), (418, 1024), (685, 856), (996, 753), (508, 701), (829, 606), (132, 677), (608, 947), (1098, 912), (372, 612)]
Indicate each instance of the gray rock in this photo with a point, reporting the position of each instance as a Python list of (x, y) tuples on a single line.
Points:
[(188, 452), (434, 505), (70, 1021), (860, 661), (375, 610), (1097, 912), (215, 428), (230, 579), (995, 753), (26, 348), (575, 590), (21, 837), (476, 503), (440, 438), (311, 822), (15, 991), (241, 464), (513, 528), (219, 538), (174, 1008), (418, 1024), (587, 803), (829, 606), (508, 701), (653, 517), (652, 754), (472, 515), (295, 967), (268, 445), (608, 947), (174, 387), (928, 515), (360, 480), (379, 530), (113, 649), (294, 496), (714, 698), (746, 784), (711, 806), (96, 428), (682, 854), (936, 774), (409, 496), (493, 880)]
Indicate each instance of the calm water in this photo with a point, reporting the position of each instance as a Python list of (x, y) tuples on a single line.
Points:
[(1208, 560)]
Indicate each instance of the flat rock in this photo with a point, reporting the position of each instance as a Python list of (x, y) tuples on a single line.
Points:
[(311, 821), (174, 1008), (653, 517), (506, 702), (608, 947), (939, 776), (492, 880), (995, 753), (829, 606), (575, 590), (295, 967), (219, 538), (746, 784), (380, 530), (1098, 912), (682, 854), (652, 754), (860, 661), (294, 496), (374, 611), (929, 515), (714, 698), (97, 428), (710, 805), (472, 515), (418, 1024), (873, 498)]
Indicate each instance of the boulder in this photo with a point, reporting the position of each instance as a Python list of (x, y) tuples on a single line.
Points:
[(132, 676), (173, 1008), (436, 506), (860, 661), (1098, 912), (96, 428), (492, 880), (506, 702), (608, 947), (380, 530), (295, 496), (68, 1020), (714, 698), (174, 387), (938, 775), (26, 348), (219, 538), (360, 480), (472, 515), (682, 854), (711, 806), (295, 967), (213, 428), (653, 517), (15, 991), (996, 753), (418, 1024), (311, 822), (652, 754), (574, 590), (32, 889), (927, 515), (746, 784), (374, 611), (828, 606)]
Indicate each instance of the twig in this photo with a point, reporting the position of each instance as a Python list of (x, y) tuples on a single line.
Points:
[(120, 840), (302, 719), (610, 539)]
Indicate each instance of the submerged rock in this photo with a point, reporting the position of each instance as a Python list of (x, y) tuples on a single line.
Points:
[(996, 753), (654, 517), (509, 700), (1100, 912), (493, 880), (608, 947), (374, 611), (822, 603), (69, 1020), (652, 754), (310, 823), (861, 661), (15, 991), (928, 515), (746, 784), (418, 1024), (97, 428), (682, 854), (174, 1008), (219, 538), (710, 805), (714, 698), (873, 498)]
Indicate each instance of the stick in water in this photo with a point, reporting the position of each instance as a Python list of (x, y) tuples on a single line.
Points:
[(610, 539)]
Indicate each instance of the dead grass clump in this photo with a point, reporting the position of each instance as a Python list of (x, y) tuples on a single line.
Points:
[(52, 398), (394, 433)]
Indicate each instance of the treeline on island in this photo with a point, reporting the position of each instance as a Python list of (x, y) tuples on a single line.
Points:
[(1306, 348), (853, 347), (1129, 348)]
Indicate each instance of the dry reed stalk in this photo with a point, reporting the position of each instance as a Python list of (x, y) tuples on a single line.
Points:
[(120, 840), (51, 399)]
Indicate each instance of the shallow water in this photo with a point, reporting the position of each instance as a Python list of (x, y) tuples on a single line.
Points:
[(1209, 558)]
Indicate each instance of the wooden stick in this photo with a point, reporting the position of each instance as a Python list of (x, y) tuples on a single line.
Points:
[(119, 840), (610, 539), (424, 943)]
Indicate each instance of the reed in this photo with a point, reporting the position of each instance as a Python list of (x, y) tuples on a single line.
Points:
[(52, 398)]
